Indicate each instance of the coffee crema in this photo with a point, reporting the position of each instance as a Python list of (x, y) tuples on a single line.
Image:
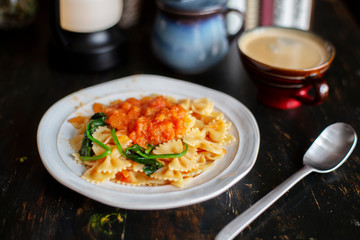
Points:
[(284, 48)]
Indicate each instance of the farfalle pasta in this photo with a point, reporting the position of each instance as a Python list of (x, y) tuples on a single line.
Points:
[(151, 141)]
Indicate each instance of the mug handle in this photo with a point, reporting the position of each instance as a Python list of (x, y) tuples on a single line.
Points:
[(321, 91), (226, 11)]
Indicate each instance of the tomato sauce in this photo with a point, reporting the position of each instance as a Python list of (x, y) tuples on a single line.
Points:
[(149, 120)]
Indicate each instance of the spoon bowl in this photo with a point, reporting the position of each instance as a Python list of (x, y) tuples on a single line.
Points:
[(331, 149)]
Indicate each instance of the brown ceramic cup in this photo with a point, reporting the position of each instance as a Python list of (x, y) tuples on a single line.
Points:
[(286, 65)]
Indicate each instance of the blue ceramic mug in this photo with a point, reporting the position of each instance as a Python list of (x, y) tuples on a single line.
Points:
[(190, 38)]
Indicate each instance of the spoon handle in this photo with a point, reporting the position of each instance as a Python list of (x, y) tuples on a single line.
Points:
[(240, 222)]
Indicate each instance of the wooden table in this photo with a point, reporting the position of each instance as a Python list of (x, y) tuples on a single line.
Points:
[(35, 206)]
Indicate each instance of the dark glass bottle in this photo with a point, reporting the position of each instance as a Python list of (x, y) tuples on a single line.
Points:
[(17, 14)]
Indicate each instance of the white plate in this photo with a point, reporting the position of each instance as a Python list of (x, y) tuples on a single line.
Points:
[(55, 151)]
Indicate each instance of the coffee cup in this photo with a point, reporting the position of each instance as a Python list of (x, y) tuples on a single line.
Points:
[(286, 65)]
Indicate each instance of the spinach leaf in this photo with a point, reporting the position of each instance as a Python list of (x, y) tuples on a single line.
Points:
[(97, 120), (143, 156)]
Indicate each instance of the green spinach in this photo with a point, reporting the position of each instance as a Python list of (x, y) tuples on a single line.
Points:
[(86, 152), (143, 156)]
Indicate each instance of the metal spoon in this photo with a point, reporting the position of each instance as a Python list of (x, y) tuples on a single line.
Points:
[(327, 153)]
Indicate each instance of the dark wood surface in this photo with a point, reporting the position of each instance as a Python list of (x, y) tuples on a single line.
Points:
[(33, 205)]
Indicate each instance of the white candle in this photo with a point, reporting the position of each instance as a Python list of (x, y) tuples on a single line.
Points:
[(89, 15)]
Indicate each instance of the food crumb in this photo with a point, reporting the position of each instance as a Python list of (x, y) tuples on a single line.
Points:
[(355, 222), (23, 159)]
